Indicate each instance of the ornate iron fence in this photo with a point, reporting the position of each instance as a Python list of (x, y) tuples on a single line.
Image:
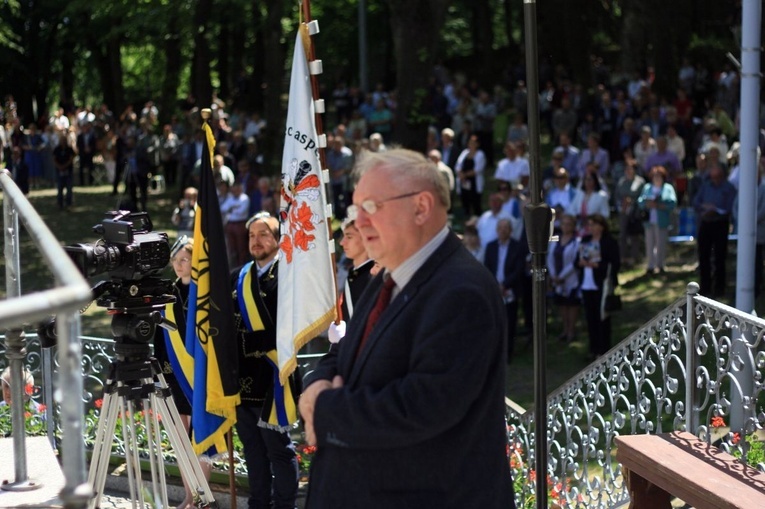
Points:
[(651, 382), (697, 366)]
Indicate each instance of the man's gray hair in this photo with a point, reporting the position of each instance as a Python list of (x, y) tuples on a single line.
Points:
[(407, 165)]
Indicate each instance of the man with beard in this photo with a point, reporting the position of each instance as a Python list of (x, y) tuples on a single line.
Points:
[(272, 467)]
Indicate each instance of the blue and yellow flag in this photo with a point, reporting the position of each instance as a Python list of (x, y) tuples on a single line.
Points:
[(210, 334)]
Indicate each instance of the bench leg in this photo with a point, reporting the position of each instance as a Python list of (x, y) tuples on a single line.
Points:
[(644, 495)]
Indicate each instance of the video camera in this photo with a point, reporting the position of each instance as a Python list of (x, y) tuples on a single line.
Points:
[(133, 256), (129, 250)]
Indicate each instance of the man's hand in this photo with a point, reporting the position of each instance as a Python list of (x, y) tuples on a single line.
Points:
[(308, 402), (336, 332), (306, 406)]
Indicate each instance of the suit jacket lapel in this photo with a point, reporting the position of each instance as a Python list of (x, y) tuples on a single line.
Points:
[(424, 274)]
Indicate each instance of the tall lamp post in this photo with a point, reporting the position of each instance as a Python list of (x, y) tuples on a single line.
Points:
[(538, 217)]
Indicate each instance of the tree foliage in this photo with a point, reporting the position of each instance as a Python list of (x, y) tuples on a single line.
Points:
[(119, 52)]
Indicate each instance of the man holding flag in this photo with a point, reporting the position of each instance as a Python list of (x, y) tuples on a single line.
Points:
[(268, 448)]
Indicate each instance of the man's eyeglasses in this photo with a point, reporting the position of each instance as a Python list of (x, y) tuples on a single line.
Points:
[(371, 206)]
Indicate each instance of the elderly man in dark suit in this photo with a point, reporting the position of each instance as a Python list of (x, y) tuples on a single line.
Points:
[(506, 259), (408, 412)]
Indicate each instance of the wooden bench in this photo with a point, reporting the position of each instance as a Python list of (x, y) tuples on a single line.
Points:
[(658, 467)]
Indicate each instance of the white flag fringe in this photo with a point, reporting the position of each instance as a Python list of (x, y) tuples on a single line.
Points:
[(306, 278)]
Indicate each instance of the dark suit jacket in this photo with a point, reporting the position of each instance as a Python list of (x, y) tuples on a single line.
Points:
[(255, 373), (515, 262), (420, 419), (358, 280)]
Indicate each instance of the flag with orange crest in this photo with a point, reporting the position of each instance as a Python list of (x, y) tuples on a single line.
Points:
[(306, 277)]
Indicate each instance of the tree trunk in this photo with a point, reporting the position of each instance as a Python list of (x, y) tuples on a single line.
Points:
[(512, 47), (113, 57), (224, 60), (634, 42), (273, 77), (201, 83), (483, 40), (169, 93), (239, 49), (254, 99), (415, 26)]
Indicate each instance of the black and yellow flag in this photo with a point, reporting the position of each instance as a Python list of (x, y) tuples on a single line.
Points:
[(210, 334)]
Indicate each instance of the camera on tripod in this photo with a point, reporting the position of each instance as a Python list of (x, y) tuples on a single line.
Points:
[(129, 248), (133, 256)]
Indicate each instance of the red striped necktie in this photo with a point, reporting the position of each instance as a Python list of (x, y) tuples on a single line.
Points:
[(383, 299)]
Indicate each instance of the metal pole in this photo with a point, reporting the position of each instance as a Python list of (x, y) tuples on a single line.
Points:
[(747, 197), (537, 219), (363, 66), (76, 491), (16, 352), (748, 161)]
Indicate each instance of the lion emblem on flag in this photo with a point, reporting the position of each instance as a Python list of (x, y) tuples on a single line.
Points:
[(300, 194)]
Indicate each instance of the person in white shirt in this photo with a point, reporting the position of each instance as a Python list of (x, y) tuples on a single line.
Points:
[(487, 223), (560, 196), (470, 167), (589, 200), (512, 168), (235, 211)]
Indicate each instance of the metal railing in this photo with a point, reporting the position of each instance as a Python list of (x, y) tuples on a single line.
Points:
[(699, 366), (70, 293), (97, 355)]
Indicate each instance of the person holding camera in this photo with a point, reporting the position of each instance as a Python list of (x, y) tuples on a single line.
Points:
[(184, 214)]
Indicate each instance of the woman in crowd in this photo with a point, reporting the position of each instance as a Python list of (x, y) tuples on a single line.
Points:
[(166, 341), (470, 165), (564, 275), (590, 199), (598, 261), (659, 199)]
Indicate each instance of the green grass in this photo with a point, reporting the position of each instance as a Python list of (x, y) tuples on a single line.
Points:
[(643, 296)]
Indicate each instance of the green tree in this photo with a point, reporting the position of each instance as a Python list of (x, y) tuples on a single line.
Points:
[(416, 25)]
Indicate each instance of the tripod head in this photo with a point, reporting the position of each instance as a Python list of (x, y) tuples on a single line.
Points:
[(135, 307)]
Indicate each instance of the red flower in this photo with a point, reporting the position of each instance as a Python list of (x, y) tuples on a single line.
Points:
[(736, 438), (310, 449), (717, 422), (99, 403), (27, 415), (42, 408), (29, 389)]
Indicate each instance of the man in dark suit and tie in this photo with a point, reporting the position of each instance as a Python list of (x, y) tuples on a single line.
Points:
[(412, 415), (505, 258)]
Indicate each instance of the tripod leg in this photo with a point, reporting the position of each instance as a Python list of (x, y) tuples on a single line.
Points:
[(130, 440), (179, 440), (99, 462), (157, 463)]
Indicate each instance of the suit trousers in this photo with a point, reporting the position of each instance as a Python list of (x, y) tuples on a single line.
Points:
[(713, 241), (272, 467)]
